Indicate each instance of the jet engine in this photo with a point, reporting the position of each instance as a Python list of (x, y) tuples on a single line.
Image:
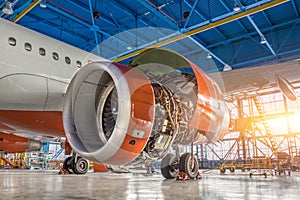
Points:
[(117, 114)]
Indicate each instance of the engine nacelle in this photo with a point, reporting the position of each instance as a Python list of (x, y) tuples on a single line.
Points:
[(108, 112), (118, 114), (14, 144)]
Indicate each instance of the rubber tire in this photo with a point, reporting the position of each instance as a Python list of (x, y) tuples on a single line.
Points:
[(232, 169), (81, 166), (166, 168), (68, 164), (222, 170), (184, 165)]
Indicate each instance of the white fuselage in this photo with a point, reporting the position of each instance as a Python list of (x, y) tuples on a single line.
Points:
[(35, 69)]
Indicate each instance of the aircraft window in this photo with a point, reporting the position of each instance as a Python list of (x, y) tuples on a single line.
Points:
[(78, 63), (55, 56), (12, 41), (67, 60), (27, 46), (42, 51)]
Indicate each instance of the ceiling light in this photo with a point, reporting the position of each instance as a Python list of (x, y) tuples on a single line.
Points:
[(263, 40), (208, 56), (227, 68), (43, 5), (7, 9), (128, 48), (236, 7)]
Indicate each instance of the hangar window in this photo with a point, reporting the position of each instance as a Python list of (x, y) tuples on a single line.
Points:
[(27, 46), (12, 41), (55, 56), (78, 63), (67, 60), (42, 51)]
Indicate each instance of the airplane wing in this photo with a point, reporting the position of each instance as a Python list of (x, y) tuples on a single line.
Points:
[(247, 82)]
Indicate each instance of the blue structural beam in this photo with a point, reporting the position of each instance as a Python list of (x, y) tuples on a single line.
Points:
[(95, 32), (268, 29), (254, 5), (90, 26), (190, 14), (154, 10), (261, 35), (295, 8)]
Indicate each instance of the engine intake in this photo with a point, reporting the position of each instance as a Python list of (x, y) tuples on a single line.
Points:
[(108, 112)]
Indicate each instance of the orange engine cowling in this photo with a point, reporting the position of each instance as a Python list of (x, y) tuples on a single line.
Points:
[(117, 114), (14, 144)]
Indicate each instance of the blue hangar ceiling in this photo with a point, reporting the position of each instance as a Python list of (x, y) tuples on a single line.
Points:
[(211, 33)]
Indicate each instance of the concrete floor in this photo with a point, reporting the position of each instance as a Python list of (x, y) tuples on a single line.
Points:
[(32, 185)]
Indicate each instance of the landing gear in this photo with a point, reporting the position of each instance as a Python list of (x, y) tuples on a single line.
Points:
[(76, 164), (81, 166), (169, 166), (184, 168), (68, 164), (188, 164)]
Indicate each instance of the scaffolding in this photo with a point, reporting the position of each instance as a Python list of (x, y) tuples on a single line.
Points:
[(257, 147)]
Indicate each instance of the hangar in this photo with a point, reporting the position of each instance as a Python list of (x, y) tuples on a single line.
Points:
[(220, 77)]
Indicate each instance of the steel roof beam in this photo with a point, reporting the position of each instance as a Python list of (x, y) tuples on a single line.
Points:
[(53, 26), (170, 22), (283, 57), (129, 12), (91, 27), (204, 18), (158, 13), (254, 33), (286, 37), (261, 34), (95, 32), (28, 9), (244, 8), (295, 8), (125, 9), (205, 27), (88, 11), (49, 24), (256, 7), (207, 50), (190, 14)]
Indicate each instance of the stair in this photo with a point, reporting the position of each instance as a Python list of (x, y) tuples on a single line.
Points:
[(293, 151), (57, 154), (272, 143)]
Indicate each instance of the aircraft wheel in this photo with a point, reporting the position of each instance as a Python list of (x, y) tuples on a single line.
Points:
[(81, 166), (68, 164), (189, 166), (222, 170), (168, 166)]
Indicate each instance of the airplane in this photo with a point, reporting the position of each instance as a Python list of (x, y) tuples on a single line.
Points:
[(113, 113)]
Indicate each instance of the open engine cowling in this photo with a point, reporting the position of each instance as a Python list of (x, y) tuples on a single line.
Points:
[(118, 114)]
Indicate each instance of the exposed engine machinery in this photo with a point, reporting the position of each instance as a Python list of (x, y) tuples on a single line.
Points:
[(118, 114)]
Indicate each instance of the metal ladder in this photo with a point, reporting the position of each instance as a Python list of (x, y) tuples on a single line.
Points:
[(272, 143), (57, 153)]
